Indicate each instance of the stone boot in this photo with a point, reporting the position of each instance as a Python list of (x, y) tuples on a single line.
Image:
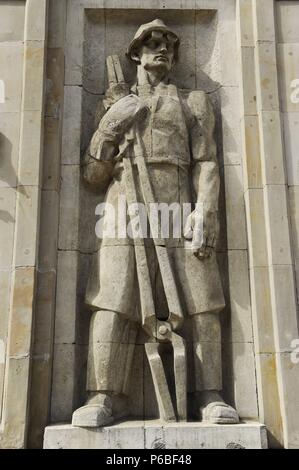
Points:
[(214, 410), (96, 413)]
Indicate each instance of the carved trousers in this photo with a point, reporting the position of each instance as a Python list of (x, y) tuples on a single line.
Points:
[(111, 349)]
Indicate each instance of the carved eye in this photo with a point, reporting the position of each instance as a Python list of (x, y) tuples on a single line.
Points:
[(152, 44)]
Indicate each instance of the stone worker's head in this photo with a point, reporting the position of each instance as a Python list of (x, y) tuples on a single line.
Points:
[(154, 47)]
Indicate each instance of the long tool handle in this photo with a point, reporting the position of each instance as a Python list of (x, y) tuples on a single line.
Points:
[(175, 311)]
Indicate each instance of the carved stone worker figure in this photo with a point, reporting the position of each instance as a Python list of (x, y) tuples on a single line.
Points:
[(175, 132)]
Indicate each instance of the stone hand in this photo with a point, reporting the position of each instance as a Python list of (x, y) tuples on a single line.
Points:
[(118, 120), (114, 93), (202, 228)]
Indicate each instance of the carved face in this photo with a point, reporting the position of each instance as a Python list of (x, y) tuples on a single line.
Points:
[(157, 51)]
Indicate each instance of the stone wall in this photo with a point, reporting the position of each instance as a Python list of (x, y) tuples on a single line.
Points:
[(232, 50)]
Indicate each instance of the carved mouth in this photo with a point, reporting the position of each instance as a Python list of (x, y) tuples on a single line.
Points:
[(161, 57)]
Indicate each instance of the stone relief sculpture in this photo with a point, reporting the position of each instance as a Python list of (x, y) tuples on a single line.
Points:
[(155, 145)]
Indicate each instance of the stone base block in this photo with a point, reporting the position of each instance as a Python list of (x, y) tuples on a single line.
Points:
[(155, 435)]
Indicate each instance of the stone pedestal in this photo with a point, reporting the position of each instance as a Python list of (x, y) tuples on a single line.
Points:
[(154, 435)]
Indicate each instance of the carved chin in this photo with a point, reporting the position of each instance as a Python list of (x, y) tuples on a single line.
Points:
[(158, 64)]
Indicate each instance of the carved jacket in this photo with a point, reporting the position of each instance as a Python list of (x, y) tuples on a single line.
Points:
[(177, 134)]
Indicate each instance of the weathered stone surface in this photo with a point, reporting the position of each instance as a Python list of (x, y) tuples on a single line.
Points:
[(36, 20), (230, 114), (12, 21), (33, 84), (66, 302), (27, 219), (248, 92), (51, 154), (278, 236), (291, 141), (9, 141), (11, 65), (153, 435), (7, 220), (69, 207), (287, 21), (267, 76), (236, 232), (288, 69), (49, 230), (244, 23), (240, 308), (257, 230), (252, 169), (63, 383), (71, 126), (54, 84), (57, 23), (30, 148)]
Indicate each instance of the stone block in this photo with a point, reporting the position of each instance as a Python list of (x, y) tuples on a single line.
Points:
[(63, 383), (154, 435), (262, 310), (57, 23), (269, 405), (7, 221), (71, 133), (36, 16), (240, 307), (69, 207), (277, 225), (207, 60), (30, 148), (41, 369), (244, 21), (23, 290), (248, 89), (267, 85), (287, 14), (94, 55), (264, 21), (256, 229), (288, 72), (12, 21), (291, 402), (27, 221), (291, 142), (48, 230), (44, 315), (54, 83), (284, 304), (11, 66), (294, 218), (5, 281), (251, 150), (9, 142), (88, 240), (228, 43), (74, 43), (66, 299), (245, 395), (51, 154), (16, 396), (235, 208), (33, 86), (231, 130)]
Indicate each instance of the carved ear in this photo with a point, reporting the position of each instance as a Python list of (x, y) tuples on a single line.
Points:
[(135, 57)]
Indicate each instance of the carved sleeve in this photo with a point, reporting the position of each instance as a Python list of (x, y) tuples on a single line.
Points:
[(206, 180)]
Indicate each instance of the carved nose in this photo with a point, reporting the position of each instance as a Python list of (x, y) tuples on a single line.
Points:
[(162, 47)]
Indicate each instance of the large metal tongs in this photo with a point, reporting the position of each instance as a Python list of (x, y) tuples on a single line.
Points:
[(159, 331)]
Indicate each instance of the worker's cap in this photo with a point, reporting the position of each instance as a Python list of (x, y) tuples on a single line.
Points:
[(146, 30)]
